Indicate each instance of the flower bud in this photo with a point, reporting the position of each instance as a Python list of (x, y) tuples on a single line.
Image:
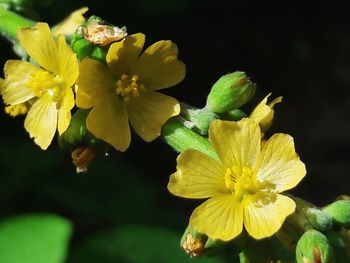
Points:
[(82, 47), (99, 54), (230, 92), (319, 219), (203, 120), (77, 134), (313, 246), (340, 212), (339, 245), (193, 242)]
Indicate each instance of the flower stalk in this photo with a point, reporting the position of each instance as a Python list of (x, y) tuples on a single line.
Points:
[(10, 22), (180, 138)]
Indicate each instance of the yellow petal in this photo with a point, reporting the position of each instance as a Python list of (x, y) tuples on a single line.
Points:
[(94, 83), (149, 111), (70, 24), (1, 83), (279, 164), (54, 56), (108, 121), (41, 121), (264, 113), (236, 143), (68, 68), (16, 86), (197, 176), (122, 56), (264, 216), (220, 217), (158, 66), (64, 114)]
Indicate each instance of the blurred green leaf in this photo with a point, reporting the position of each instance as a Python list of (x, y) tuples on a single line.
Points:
[(37, 238), (22, 165), (112, 191), (135, 244)]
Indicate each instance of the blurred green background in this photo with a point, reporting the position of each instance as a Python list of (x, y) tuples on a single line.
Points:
[(121, 211)]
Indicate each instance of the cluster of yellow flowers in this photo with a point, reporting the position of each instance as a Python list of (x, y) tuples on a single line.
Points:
[(243, 183), (123, 90)]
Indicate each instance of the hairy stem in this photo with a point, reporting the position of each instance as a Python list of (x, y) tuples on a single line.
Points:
[(181, 138)]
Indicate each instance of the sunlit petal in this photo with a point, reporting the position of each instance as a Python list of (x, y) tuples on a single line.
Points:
[(41, 121), (197, 176), (236, 143), (219, 217), (278, 163), (265, 214), (149, 111)]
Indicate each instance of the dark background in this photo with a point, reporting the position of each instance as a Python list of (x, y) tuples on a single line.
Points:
[(299, 51)]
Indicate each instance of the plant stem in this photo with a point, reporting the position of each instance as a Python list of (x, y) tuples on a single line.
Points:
[(181, 138), (10, 22)]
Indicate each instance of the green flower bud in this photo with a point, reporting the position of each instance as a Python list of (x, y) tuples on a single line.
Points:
[(319, 219), (99, 54), (340, 212), (84, 146), (235, 115), (230, 92), (339, 245), (82, 47), (203, 120), (77, 134), (313, 246)]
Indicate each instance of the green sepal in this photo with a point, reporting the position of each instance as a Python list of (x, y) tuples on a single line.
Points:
[(314, 247), (235, 115), (340, 212), (195, 234), (203, 120), (230, 92), (319, 219)]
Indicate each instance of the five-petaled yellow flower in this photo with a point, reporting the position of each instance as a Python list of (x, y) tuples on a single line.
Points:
[(48, 87), (125, 90), (243, 185)]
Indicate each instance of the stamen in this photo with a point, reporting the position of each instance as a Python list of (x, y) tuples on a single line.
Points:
[(128, 87), (15, 110)]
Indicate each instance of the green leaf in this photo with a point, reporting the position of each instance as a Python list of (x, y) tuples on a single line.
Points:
[(135, 244), (37, 238)]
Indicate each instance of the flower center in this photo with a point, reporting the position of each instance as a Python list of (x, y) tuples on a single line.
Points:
[(242, 182), (128, 87), (47, 82)]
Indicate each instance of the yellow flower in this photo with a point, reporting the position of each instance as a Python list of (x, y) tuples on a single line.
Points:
[(48, 87), (125, 90), (244, 185), (264, 113), (71, 23)]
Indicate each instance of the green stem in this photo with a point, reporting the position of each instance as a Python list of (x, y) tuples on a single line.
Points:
[(10, 22), (181, 138)]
